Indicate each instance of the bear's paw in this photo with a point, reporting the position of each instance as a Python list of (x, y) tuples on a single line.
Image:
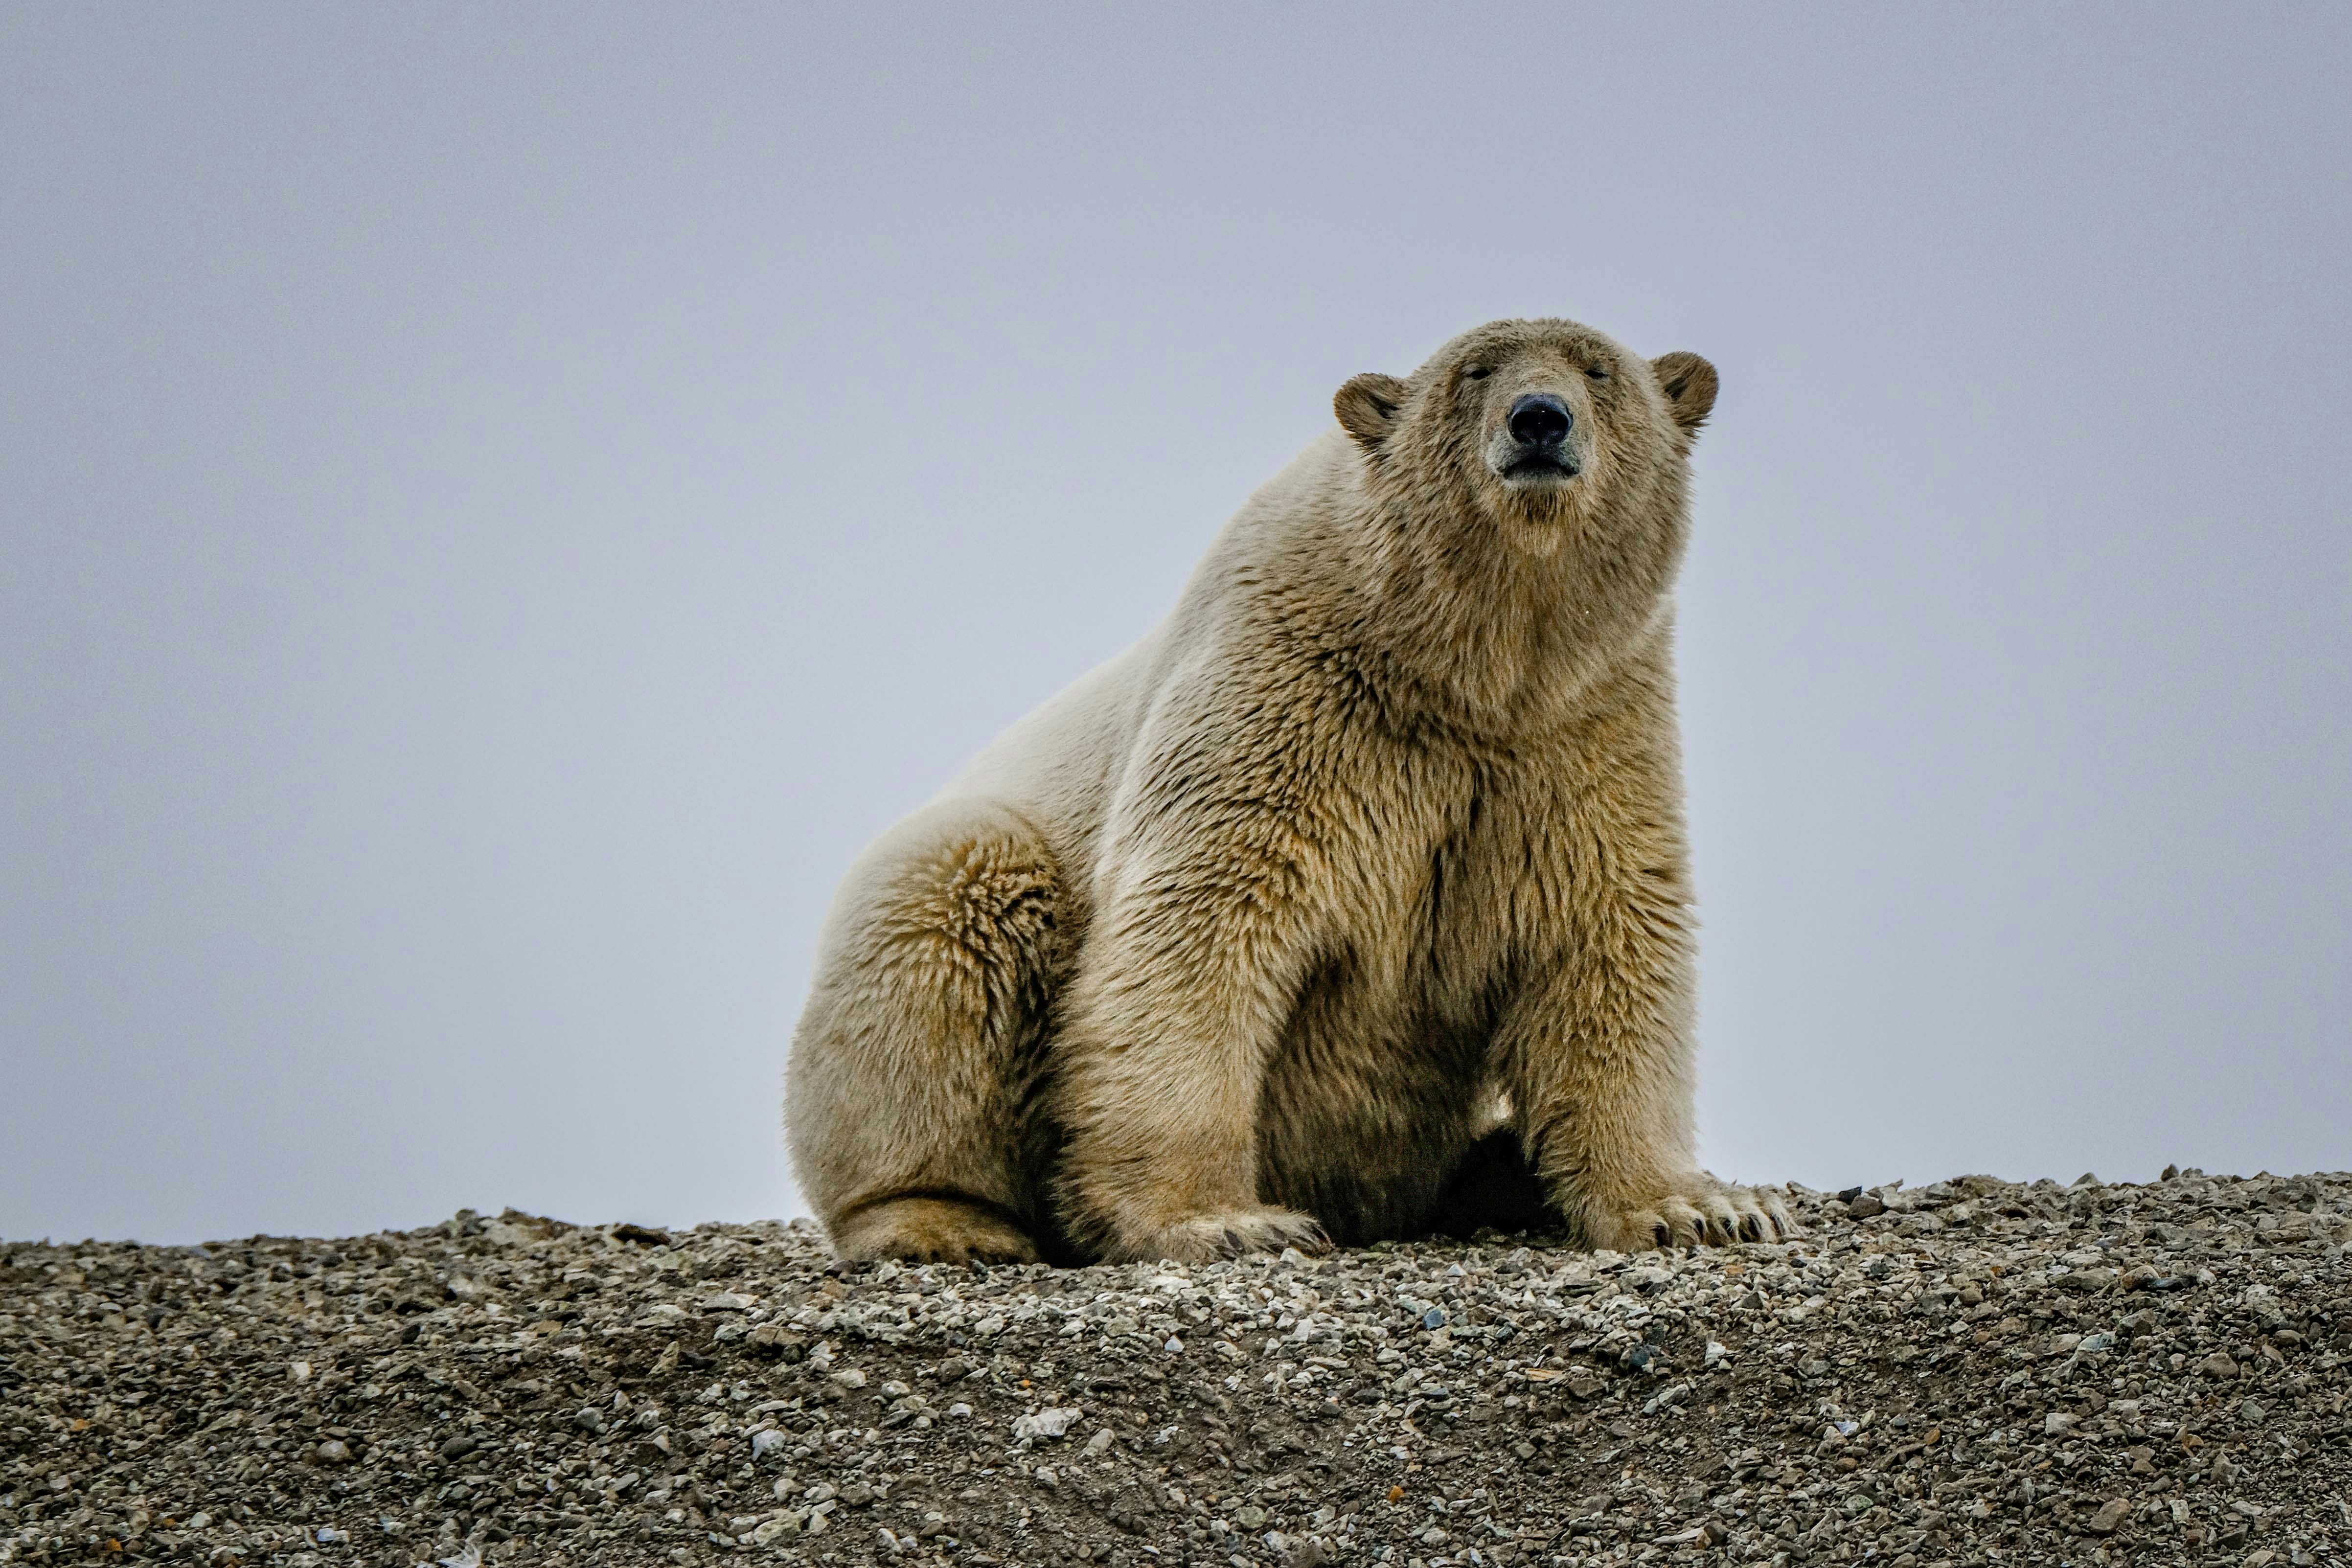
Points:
[(932, 1230), (1693, 1209), (1234, 1233)]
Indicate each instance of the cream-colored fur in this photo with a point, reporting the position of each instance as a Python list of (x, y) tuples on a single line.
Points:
[(1237, 943)]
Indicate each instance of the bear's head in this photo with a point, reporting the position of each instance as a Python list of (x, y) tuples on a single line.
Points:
[(1546, 437)]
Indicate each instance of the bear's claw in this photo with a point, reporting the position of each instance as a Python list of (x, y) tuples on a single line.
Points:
[(1693, 1210)]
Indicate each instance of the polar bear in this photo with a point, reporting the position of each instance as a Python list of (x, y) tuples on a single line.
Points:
[(1352, 902)]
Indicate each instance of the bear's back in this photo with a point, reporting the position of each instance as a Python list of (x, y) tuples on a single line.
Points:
[(1061, 763)]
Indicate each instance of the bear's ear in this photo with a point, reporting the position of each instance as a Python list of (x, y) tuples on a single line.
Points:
[(1689, 383), (1367, 406)]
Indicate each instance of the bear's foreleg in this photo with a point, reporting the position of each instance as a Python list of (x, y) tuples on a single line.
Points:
[(1597, 1057), (1178, 1005), (910, 1102)]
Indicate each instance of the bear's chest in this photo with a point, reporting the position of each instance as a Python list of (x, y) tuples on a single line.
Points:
[(1462, 898)]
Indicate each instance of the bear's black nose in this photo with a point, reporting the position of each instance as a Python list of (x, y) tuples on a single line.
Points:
[(1539, 419)]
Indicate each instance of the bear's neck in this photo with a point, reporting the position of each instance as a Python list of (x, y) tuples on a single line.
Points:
[(1499, 643)]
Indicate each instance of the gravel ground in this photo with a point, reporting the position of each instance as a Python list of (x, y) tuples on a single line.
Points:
[(1971, 1372)]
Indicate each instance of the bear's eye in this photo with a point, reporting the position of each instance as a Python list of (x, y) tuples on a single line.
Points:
[(1478, 372), (1598, 374)]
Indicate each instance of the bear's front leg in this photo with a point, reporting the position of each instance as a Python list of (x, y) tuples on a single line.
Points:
[(1181, 996), (1597, 1057)]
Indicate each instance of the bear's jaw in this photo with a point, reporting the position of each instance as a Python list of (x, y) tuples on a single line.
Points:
[(1530, 469), (1538, 471), (1537, 510)]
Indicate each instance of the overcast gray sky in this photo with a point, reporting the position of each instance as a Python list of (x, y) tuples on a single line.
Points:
[(501, 503)]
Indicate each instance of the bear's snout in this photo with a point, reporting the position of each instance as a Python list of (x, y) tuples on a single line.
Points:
[(1534, 444)]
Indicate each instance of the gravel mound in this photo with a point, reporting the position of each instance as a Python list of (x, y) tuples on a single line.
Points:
[(1971, 1372)]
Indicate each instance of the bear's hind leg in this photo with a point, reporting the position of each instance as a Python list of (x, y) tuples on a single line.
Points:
[(912, 1098)]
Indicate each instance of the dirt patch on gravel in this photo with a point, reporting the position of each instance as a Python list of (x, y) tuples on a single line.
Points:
[(1972, 1372)]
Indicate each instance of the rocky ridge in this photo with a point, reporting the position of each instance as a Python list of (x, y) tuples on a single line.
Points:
[(1972, 1372)]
